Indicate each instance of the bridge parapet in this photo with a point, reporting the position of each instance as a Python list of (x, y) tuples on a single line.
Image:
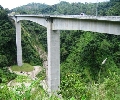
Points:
[(105, 18)]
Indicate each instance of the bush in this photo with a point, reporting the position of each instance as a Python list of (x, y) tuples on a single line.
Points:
[(4, 93), (3, 61), (72, 86), (42, 74), (109, 89), (6, 75), (22, 92), (112, 86)]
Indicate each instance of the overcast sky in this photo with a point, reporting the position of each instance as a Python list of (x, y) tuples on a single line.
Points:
[(15, 3)]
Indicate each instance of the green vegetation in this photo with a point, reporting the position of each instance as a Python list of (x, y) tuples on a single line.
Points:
[(23, 92), (83, 76), (8, 43), (30, 47), (22, 78), (73, 85), (72, 88), (7, 40), (25, 67), (64, 8), (6, 76), (42, 74)]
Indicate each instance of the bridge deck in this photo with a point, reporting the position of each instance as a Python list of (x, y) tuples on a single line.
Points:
[(104, 18)]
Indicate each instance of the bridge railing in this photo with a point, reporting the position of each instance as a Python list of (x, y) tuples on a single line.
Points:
[(105, 18), (111, 18)]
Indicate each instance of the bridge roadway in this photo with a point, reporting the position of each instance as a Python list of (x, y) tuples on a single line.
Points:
[(55, 23), (109, 18)]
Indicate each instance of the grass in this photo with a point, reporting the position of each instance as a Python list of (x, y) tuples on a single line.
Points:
[(25, 67), (21, 78), (42, 74)]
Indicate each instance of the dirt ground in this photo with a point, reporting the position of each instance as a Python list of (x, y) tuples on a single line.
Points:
[(31, 74)]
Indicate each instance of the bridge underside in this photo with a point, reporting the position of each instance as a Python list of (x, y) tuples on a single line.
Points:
[(87, 25)]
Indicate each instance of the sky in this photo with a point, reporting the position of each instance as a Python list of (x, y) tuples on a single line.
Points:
[(15, 3)]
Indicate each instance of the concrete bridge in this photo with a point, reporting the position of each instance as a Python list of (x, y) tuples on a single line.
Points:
[(53, 23)]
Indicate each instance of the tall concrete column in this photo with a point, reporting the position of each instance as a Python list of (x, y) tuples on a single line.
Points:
[(18, 43), (53, 42)]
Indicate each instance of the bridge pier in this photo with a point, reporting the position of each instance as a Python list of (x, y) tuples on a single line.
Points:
[(53, 42), (18, 43)]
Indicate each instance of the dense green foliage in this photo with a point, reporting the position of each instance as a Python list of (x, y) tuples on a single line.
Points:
[(83, 74), (29, 47), (87, 55), (103, 8), (23, 92), (7, 40), (8, 46), (6, 75), (73, 88), (73, 85)]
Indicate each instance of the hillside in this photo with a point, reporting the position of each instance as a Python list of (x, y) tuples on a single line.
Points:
[(83, 76), (103, 8), (8, 43), (7, 38), (31, 8)]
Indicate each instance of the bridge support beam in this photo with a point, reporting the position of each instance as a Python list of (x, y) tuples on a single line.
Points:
[(18, 43), (53, 41)]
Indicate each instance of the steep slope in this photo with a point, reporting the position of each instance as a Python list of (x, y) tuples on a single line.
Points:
[(8, 43), (7, 40), (30, 53), (89, 52)]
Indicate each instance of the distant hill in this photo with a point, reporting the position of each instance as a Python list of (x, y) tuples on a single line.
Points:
[(31, 8), (103, 9), (60, 8)]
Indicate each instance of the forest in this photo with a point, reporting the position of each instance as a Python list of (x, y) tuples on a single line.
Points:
[(83, 75)]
